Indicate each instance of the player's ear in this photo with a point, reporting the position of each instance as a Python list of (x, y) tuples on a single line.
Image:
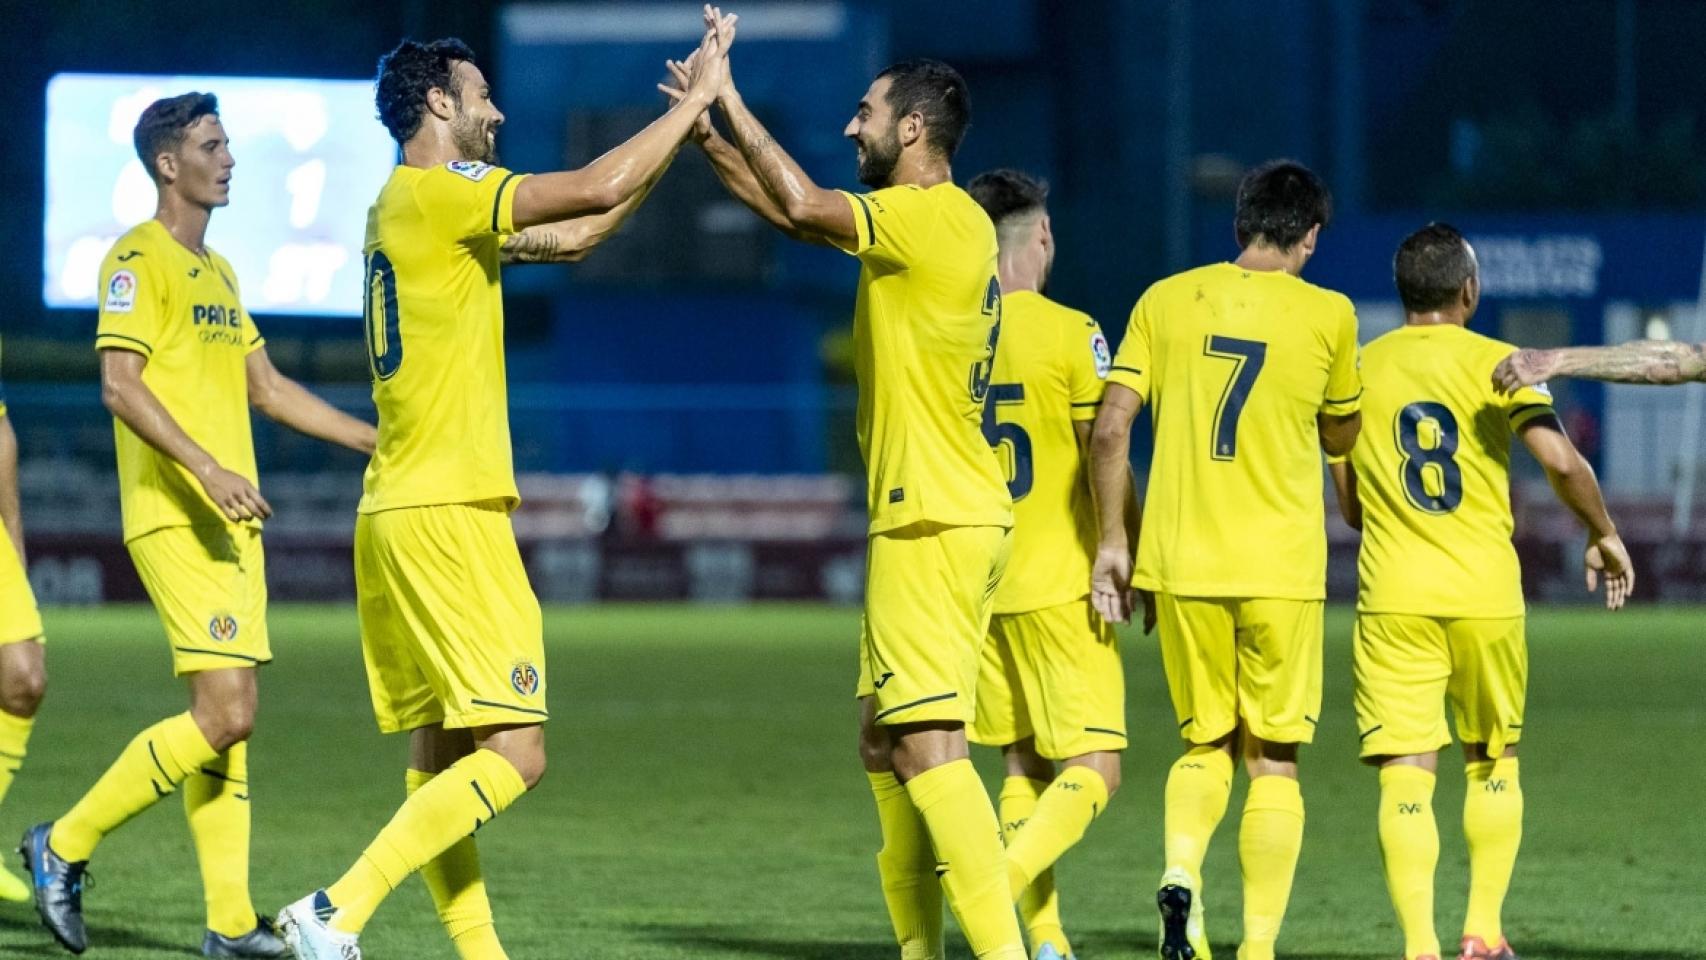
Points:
[(911, 128), (1308, 241), (1471, 292), (166, 167), (440, 103)]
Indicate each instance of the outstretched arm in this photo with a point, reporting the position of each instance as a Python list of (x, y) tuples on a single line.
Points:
[(607, 182), (1573, 482), (1115, 498), (804, 206), (569, 241), (136, 406), (1643, 361), (10, 516), (288, 402)]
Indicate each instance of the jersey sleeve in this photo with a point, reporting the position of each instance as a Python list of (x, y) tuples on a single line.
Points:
[(133, 303), (1132, 365), (891, 225), (1344, 376), (465, 199), (1524, 405), (1087, 362)]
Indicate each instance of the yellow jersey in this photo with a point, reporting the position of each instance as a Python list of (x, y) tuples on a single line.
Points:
[(1433, 473), (924, 331), (1234, 365), (1048, 375), (434, 320), (184, 313)]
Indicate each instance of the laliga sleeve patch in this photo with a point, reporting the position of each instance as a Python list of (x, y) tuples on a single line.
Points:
[(472, 169), (1543, 389), (1104, 357), (121, 293)]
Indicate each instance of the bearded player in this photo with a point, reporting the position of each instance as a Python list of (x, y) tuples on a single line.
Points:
[(925, 325), (181, 364), (451, 630)]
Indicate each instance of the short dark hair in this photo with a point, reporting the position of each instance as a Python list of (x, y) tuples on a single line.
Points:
[(163, 125), (936, 90), (1431, 267), (1006, 193), (405, 76), (1278, 202)]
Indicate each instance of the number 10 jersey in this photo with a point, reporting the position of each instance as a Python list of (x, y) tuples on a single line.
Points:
[(434, 321), (1235, 365)]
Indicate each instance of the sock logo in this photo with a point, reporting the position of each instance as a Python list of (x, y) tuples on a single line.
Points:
[(223, 627), (1069, 785), (1495, 786), (1409, 808)]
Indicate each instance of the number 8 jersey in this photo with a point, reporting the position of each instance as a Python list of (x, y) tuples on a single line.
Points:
[(434, 321), (1234, 365), (1433, 472)]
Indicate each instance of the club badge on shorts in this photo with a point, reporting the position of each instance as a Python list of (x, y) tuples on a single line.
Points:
[(223, 627), (524, 678)]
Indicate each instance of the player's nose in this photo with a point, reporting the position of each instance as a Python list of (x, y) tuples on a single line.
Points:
[(851, 131)]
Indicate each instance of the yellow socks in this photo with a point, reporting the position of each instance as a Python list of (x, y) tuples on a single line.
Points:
[(151, 767), (967, 840), (459, 892), (1269, 840), (1492, 823), (1039, 904), (216, 804), (447, 808), (14, 741), (1198, 788), (907, 868), (1409, 843)]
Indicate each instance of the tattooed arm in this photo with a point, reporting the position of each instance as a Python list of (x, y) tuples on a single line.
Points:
[(569, 241), (1643, 361), (805, 207)]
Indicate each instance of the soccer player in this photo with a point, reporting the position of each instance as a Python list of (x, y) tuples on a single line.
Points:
[(1249, 371), (1051, 688), (925, 325), (1440, 607), (181, 364), (1661, 362), (451, 630), (23, 669)]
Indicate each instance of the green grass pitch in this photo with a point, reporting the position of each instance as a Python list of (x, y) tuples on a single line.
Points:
[(705, 800)]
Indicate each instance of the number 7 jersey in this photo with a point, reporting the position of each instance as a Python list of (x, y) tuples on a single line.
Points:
[(434, 323), (1235, 365)]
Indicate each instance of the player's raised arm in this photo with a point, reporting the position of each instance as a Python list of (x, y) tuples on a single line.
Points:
[(10, 514), (1573, 481), (288, 402), (1662, 362), (129, 399), (617, 176), (805, 207), (730, 165)]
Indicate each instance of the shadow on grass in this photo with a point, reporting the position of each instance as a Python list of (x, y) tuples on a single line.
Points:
[(41, 943), (745, 943)]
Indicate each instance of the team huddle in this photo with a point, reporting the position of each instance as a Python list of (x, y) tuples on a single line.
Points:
[(1006, 535)]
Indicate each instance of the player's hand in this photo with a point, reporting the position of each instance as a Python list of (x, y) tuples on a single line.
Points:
[(234, 495), (676, 92), (1608, 557), (709, 69), (1524, 368), (1110, 584)]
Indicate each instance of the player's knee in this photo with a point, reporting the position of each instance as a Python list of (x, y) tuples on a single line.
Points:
[(1110, 776), (530, 764), (226, 724), (875, 751), (21, 691)]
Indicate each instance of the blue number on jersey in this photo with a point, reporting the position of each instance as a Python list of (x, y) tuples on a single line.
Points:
[(1418, 458), (384, 340), (983, 369), (1247, 356), (997, 433)]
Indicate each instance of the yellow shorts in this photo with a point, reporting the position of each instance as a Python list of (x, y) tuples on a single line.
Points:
[(450, 628), (929, 591), (1054, 674), (20, 619), (1406, 667), (1233, 659), (210, 586)]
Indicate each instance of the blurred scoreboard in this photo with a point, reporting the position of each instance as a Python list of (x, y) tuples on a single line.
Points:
[(311, 157)]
